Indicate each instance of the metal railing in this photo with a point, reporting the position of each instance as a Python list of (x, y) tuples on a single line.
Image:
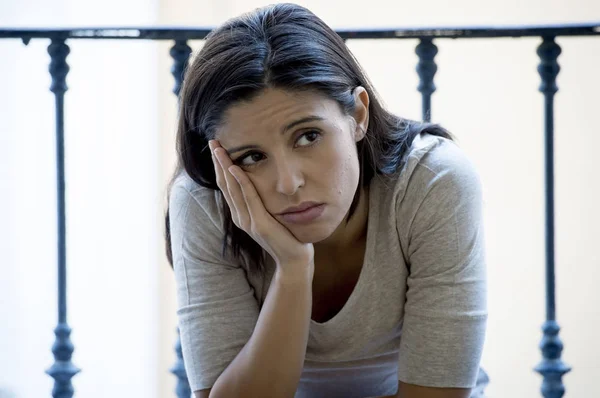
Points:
[(551, 367)]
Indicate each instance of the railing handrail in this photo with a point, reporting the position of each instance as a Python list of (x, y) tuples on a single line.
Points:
[(552, 368), (193, 33)]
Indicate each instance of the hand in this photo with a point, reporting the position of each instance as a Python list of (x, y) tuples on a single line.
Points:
[(249, 214)]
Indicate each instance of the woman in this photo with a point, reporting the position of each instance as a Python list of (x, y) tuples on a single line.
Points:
[(322, 246)]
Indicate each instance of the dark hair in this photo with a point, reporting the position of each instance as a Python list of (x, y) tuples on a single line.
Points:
[(281, 46)]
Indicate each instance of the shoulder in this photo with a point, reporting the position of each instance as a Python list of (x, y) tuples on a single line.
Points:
[(187, 195), (195, 215), (437, 156), (184, 186), (437, 180), (431, 162)]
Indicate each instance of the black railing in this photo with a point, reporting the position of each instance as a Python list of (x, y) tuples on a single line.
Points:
[(551, 366)]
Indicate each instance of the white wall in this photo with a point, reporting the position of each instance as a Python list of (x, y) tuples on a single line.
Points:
[(112, 201), (119, 131), (487, 95)]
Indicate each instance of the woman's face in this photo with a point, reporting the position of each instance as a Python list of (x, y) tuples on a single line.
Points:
[(297, 147)]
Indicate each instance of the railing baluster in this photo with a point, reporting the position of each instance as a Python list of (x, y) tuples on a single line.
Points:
[(426, 68), (63, 369), (183, 386), (180, 52), (552, 368)]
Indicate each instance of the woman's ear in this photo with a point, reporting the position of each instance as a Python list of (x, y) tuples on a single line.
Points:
[(361, 112)]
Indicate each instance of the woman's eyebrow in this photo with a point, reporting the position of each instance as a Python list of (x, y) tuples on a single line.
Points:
[(240, 148), (312, 118)]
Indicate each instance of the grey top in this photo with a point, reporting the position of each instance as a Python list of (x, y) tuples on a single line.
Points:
[(417, 313)]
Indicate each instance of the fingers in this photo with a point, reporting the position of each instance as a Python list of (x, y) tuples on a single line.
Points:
[(221, 181), (255, 207), (230, 187), (235, 191)]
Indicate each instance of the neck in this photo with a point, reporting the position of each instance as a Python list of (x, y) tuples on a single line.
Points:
[(348, 234)]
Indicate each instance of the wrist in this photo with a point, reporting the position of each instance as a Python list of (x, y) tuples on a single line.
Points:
[(294, 274)]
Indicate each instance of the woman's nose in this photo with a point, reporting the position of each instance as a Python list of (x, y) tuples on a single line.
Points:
[(289, 177)]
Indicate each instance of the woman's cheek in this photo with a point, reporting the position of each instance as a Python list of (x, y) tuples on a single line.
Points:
[(346, 177), (261, 188)]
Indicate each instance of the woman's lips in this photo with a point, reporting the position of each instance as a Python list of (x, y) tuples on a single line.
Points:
[(304, 217)]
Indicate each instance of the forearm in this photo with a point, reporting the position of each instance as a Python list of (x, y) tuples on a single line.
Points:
[(271, 363), (413, 391)]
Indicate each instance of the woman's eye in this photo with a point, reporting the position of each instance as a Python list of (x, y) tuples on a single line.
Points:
[(249, 157), (312, 135)]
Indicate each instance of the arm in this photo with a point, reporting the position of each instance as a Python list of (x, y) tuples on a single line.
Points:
[(413, 391), (441, 228), (229, 348), (270, 364)]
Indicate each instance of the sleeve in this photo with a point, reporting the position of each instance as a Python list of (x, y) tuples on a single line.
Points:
[(446, 300), (216, 307)]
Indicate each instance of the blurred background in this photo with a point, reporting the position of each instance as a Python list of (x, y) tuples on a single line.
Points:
[(120, 118)]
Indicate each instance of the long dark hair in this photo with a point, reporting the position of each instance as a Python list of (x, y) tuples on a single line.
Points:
[(281, 46)]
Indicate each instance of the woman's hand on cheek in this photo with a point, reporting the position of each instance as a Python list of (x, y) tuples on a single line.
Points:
[(249, 214)]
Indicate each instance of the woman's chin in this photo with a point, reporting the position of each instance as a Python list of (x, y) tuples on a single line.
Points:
[(311, 233)]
